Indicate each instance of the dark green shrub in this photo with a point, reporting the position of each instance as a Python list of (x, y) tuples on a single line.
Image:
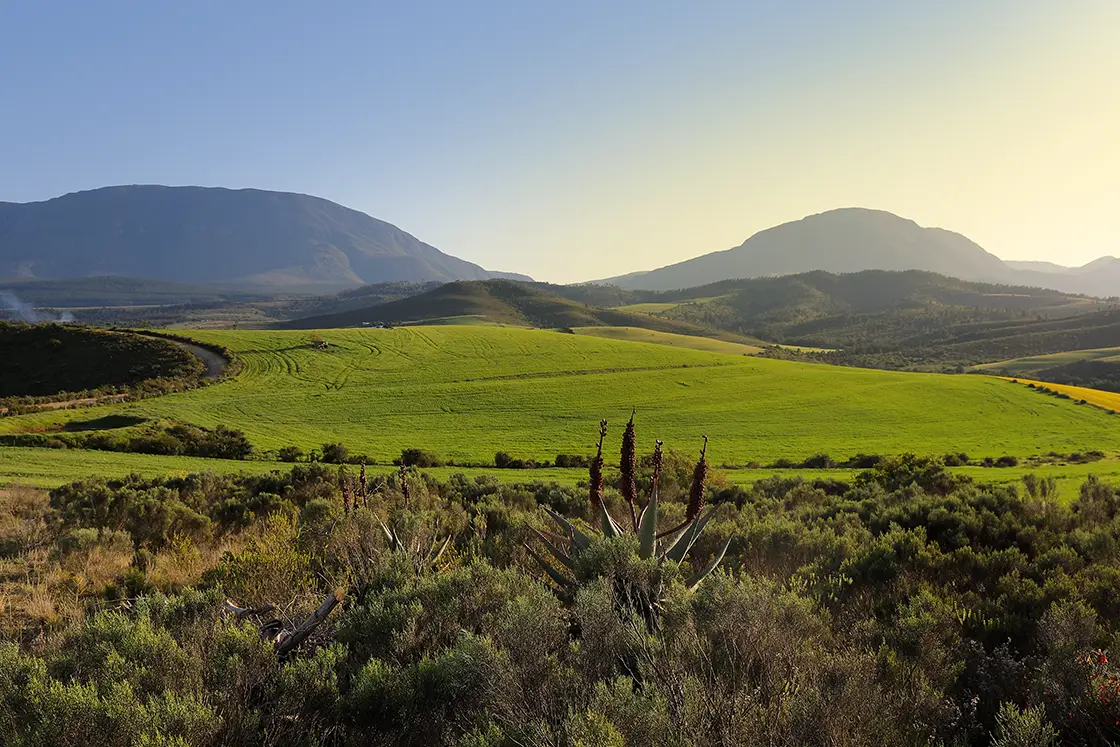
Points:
[(334, 453), (290, 454), (419, 458), (571, 460)]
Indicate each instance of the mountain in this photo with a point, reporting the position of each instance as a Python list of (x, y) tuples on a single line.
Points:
[(200, 234), (1036, 266), (855, 239), (1101, 264), (500, 302)]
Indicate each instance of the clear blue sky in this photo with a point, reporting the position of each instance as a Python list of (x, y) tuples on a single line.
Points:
[(582, 139)]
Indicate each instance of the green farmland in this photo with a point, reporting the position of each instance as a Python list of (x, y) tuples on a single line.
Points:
[(1036, 363), (692, 342), (464, 393)]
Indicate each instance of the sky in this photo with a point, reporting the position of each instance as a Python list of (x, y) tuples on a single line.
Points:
[(582, 139)]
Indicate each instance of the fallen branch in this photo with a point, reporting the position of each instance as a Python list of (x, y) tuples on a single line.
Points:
[(241, 613), (287, 641)]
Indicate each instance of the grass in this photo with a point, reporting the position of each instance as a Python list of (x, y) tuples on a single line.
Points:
[(636, 334), (648, 308), (52, 467), (1035, 363), (1098, 397), (657, 308), (48, 468), (464, 393)]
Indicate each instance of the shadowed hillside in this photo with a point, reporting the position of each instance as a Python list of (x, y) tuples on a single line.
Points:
[(196, 234), (499, 302)]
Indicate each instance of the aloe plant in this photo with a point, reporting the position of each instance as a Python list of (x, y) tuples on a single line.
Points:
[(670, 546)]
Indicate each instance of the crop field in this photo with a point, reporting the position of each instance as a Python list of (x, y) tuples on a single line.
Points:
[(464, 393), (1036, 363), (648, 308), (692, 342), (658, 307), (1098, 397)]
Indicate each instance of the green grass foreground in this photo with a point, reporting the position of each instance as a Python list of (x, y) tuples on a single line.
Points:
[(464, 393), (49, 468)]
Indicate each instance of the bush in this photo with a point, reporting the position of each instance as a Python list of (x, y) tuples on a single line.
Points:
[(1007, 461), (419, 458), (571, 460), (290, 454), (334, 453), (818, 461)]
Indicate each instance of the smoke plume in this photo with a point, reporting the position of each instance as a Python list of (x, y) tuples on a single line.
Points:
[(29, 313)]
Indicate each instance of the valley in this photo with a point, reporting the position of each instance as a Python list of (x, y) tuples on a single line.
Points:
[(465, 392)]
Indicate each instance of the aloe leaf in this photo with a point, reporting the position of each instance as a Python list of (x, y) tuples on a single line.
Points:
[(647, 527), (394, 543), (610, 528), (563, 522), (685, 541), (552, 572), (580, 541), (666, 542), (442, 548), (695, 580), (554, 551)]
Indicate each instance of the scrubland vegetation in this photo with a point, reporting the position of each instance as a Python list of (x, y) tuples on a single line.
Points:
[(907, 606)]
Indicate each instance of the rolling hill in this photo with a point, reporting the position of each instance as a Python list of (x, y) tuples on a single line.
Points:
[(854, 239), (199, 235), (466, 392), (836, 309), (501, 302), (882, 319)]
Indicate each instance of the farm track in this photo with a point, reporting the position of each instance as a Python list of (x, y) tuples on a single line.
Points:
[(215, 363)]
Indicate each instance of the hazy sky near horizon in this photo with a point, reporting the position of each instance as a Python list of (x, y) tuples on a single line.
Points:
[(583, 139)]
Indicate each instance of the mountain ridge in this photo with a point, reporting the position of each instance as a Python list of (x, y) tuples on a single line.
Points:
[(848, 240), (208, 234)]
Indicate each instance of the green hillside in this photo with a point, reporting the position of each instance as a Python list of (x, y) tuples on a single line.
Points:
[(692, 342), (1038, 363), (501, 302), (466, 392)]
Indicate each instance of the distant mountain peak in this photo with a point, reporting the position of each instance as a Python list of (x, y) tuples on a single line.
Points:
[(853, 239), (204, 234)]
